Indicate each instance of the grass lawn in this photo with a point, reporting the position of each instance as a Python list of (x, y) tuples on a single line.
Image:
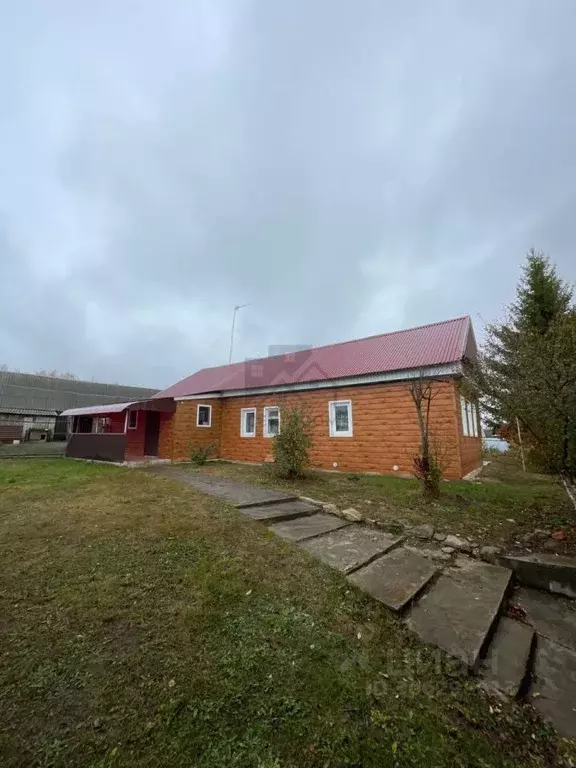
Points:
[(142, 624), (501, 508)]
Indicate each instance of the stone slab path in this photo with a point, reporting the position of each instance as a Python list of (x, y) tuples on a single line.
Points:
[(306, 527), (277, 512), (458, 614), (507, 662), (554, 685), (237, 493), (396, 579), (350, 547), (458, 608)]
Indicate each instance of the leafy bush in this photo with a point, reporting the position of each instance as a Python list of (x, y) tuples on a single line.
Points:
[(429, 470), (291, 446), (201, 452)]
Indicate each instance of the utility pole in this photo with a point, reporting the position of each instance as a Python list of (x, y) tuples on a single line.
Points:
[(236, 308)]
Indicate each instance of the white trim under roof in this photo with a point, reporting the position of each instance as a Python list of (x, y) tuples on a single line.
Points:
[(431, 371), (96, 410), (216, 396)]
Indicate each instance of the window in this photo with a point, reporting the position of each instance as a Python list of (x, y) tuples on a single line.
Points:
[(340, 415), (248, 422), (271, 421), (131, 419), (469, 412), (101, 424), (204, 416)]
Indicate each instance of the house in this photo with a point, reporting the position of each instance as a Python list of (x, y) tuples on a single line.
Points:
[(30, 404), (356, 392)]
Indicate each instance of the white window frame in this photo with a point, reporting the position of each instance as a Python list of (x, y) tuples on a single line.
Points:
[(469, 413), (475, 430), (464, 415), (243, 414), (265, 431), (127, 421), (202, 426), (332, 419)]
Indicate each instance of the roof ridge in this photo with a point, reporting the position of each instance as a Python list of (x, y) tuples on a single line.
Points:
[(338, 343)]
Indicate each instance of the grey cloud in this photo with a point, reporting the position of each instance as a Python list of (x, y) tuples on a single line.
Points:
[(347, 169)]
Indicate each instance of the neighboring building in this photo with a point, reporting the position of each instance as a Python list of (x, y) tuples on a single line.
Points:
[(356, 392), (30, 404)]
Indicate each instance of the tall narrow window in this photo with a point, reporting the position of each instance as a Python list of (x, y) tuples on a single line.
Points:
[(132, 420), (464, 415), (248, 422), (204, 416), (340, 415), (271, 421), (469, 412)]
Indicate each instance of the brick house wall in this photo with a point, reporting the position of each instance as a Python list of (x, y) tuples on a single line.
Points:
[(166, 436), (185, 431), (135, 438), (385, 429), (470, 447)]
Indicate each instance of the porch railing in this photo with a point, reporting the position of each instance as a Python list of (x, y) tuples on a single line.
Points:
[(99, 446)]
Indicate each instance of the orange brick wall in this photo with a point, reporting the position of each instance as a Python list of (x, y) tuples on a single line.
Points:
[(185, 431), (166, 436), (135, 439), (384, 425)]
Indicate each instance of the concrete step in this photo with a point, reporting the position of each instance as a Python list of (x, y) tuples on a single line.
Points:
[(266, 498), (458, 612), (554, 573), (554, 686), (349, 548), (394, 579), (507, 663), (552, 617), (306, 527), (286, 510)]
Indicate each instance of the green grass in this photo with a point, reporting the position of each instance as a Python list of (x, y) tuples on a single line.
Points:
[(142, 624), (501, 508)]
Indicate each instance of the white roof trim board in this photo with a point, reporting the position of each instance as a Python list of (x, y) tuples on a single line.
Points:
[(95, 410)]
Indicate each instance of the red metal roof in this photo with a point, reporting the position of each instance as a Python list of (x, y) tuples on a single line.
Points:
[(435, 344)]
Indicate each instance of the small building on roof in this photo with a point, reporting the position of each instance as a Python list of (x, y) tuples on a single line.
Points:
[(357, 393)]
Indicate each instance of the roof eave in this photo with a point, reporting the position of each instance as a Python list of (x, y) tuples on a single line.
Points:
[(405, 374)]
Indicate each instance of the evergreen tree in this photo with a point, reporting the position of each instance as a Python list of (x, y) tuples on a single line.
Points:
[(528, 366), (541, 297)]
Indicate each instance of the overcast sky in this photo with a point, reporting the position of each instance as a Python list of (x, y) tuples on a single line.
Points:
[(348, 168)]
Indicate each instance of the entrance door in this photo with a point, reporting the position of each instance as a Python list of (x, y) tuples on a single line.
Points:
[(152, 433)]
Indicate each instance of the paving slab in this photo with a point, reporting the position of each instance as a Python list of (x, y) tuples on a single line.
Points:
[(351, 547), (458, 612), (506, 663), (286, 510), (234, 491), (306, 527), (394, 579), (552, 617), (554, 573), (555, 685)]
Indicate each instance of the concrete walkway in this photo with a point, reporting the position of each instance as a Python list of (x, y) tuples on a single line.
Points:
[(459, 608)]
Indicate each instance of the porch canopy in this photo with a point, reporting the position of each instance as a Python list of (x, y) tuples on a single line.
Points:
[(165, 405), (116, 431)]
